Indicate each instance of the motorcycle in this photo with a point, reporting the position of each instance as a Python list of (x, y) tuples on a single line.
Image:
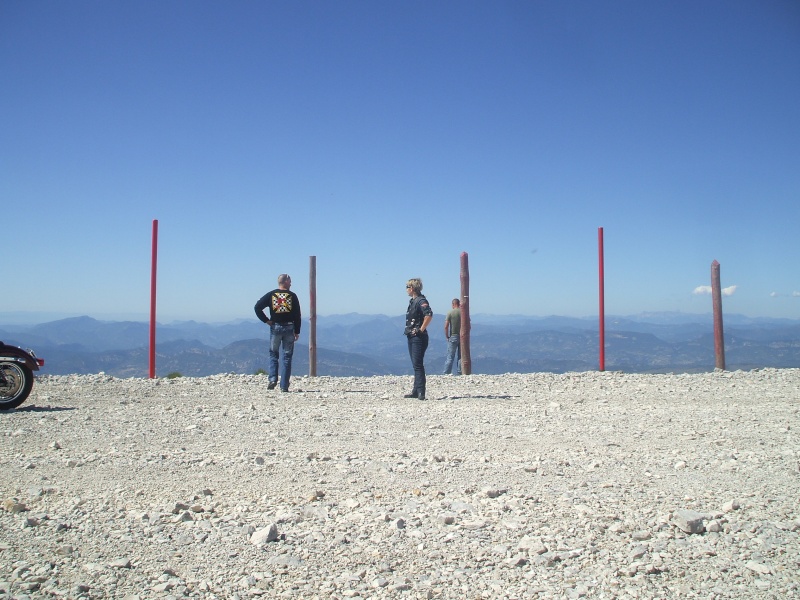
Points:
[(16, 374)]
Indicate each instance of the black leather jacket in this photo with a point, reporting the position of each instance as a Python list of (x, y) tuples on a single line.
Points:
[(418, 309)]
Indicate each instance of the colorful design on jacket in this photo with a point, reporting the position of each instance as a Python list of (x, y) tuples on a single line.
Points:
[(281, 302)]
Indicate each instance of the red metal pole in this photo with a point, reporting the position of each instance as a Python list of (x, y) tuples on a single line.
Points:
[(719, 338), (602, 294), (153, 301), (312, 334), (466, 358)]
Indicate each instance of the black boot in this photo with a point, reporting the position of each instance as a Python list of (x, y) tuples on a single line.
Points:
[(411, 395), (421, 395)]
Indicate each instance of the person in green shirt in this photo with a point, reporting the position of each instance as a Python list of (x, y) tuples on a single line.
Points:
[(452, 331)]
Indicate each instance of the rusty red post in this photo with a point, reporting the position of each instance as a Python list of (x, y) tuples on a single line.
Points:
[(719, 338), (466, 359), (312, 330), (153, 268), (602, 294)]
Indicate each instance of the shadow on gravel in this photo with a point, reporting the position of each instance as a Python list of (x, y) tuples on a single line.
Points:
[(44, 408), (487, 396)]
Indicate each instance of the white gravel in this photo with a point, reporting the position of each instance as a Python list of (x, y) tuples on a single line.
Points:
[(597, 485)]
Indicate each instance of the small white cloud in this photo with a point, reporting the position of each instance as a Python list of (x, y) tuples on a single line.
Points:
[(701, 290), (796, 294), (774, 294)]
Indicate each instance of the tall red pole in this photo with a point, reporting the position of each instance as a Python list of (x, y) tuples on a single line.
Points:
[(466, 358), (153, 301), (719, 338), (602, 294), (312, 335)]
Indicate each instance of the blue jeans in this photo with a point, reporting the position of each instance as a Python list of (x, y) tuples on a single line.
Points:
[(417, 344), (453, 350), (281, 334)]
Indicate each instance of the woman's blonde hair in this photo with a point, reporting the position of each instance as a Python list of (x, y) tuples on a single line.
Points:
[(416, 284)]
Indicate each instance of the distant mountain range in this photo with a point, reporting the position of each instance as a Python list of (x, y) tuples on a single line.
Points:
[(365, 345)]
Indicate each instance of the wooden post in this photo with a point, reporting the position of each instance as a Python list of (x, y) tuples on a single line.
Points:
[(153, 266), (466, 359), (602, 307), (312, 333), (719, 338)]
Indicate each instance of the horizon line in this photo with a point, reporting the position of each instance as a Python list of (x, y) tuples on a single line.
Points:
[(41, 317)]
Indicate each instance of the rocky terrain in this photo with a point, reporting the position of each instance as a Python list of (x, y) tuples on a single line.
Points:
[(596, 485)]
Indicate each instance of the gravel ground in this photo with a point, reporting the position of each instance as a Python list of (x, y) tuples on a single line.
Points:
[(597, 485)]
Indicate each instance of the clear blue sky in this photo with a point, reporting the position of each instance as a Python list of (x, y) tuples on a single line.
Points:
[(385, 138)]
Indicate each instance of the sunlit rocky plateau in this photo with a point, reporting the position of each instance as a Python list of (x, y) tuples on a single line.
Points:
[(590, 484)]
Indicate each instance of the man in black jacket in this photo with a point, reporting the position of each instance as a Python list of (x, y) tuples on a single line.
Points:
[(284, 328)]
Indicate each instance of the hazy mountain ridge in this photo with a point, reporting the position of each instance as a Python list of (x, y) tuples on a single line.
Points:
[(363, 345)]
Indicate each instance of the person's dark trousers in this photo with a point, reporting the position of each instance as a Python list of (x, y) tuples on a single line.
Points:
[(417, 344)]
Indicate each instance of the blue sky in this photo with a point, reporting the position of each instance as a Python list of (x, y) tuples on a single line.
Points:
[(386, 138)]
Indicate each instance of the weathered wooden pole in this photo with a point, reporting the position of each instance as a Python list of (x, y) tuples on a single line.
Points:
[(602, 307), (312, 304), (719, 338), (153, 268), (466, 360)]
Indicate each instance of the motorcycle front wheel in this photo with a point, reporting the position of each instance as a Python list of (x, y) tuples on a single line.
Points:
[(16, 382)]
